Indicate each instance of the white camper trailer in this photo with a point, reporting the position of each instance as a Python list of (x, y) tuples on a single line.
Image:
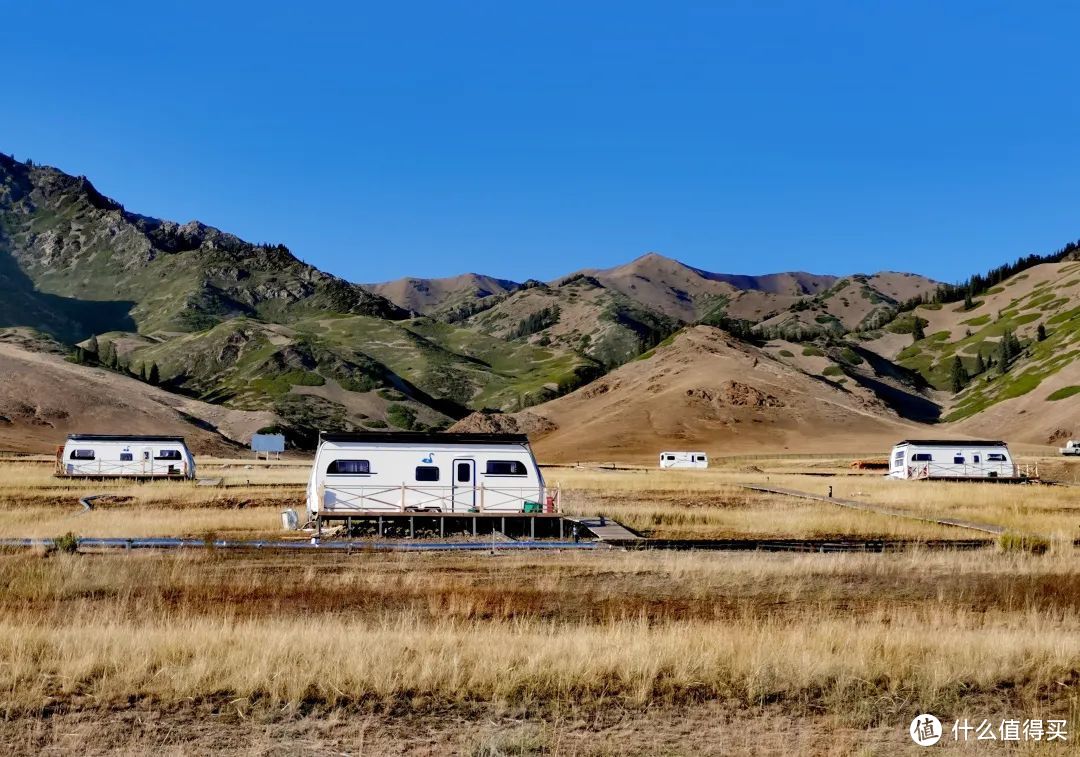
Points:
[(952, 459), (415, 472), (684, 460), (120, 456)]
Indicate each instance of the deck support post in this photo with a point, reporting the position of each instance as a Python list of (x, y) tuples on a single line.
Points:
[(474, 525), (560, 529), (532, 528), (503, 525), (442, 526), (380, 526), (412, 526)]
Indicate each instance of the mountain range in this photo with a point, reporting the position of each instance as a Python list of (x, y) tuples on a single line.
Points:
[(227, 337)]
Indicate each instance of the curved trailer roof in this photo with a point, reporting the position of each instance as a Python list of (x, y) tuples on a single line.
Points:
[(122, 438), (953, 443), (423, 437)]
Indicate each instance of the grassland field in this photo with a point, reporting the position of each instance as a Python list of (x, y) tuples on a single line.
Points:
[(577, 653)]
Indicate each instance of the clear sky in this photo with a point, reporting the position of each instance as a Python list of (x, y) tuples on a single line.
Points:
[(531, 139)]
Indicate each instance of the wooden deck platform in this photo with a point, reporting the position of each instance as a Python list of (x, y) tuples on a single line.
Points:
[(606, 529)]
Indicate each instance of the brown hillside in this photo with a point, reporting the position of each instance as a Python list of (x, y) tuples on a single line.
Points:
[(43, 398), (428, 295), (687, 293), (707, 391), (1031, 418)]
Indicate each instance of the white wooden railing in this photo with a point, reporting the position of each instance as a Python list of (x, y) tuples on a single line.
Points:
[(126, 468), (965, 470), (345, 499)]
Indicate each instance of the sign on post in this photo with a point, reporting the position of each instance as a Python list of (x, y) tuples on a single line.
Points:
[(268, 444)]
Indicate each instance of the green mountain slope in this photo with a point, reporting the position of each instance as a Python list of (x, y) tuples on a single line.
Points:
[(70, 241), (1046, 295), (244, 325), (576, 314)]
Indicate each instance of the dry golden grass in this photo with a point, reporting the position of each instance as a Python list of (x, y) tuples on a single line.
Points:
[(34, 503), (865, 640), (665, 504), (711, 503), (662, 652)]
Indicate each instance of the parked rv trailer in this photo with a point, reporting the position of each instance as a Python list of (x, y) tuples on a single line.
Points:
[(125, 456), (952, 459), (1072, 447), (393, 472), (684, 460)]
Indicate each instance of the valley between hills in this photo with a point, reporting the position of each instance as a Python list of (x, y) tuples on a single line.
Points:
[(113, 319)]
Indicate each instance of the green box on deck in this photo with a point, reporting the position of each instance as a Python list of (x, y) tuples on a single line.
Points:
[(533, 507)]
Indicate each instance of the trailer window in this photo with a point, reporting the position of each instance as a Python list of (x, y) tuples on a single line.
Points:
[(505, 468), (464, 473), (348, 468), (427, 473), (701, 458), (168, 454), (671, 457), (995, 457), (958, 459), (126, 457), (82, 454), (922, 457)]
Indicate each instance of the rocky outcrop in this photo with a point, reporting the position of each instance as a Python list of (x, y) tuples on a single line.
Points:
[(492, 422), (735, 394)]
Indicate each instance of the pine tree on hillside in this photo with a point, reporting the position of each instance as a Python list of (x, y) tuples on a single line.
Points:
[(155, 376), (1008, 348), (1040, 333), (108, 359), (969, 304), (917, 332), (980, 366), (959, 377)]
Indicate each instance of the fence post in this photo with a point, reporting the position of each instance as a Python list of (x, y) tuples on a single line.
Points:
[(481, 496), (402, 497)]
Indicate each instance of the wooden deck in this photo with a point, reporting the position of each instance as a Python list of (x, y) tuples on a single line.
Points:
[(606, 530)]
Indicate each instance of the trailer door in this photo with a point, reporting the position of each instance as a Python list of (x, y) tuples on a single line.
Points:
[(464, 487), (148, 461)]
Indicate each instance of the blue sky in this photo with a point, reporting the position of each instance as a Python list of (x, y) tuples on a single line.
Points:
[(379, 140)]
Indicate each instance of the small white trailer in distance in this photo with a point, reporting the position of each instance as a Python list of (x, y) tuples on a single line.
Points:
[(1071, 447), (684, 460), (367, 473), (125, 456), (959, 459)]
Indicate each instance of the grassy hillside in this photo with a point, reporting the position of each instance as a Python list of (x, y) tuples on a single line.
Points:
[(577, 314), (63, 238), (248, 325), (972, 332)]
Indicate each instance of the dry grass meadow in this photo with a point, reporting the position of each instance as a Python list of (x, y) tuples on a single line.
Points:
[(577, 653)]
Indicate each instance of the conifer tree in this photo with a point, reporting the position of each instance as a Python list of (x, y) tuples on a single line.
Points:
[(959, 377)]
